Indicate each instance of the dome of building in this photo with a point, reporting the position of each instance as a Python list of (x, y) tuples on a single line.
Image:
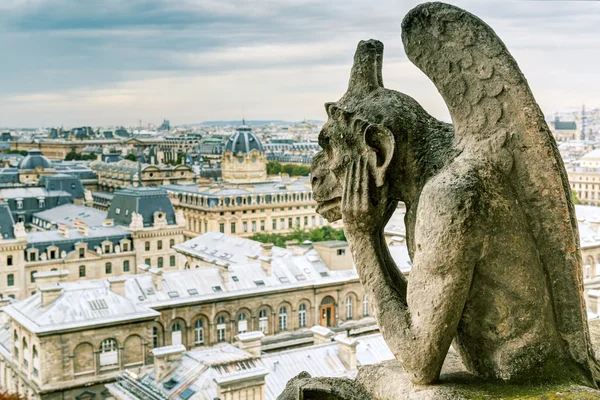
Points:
[(35, 159), (244, 141)]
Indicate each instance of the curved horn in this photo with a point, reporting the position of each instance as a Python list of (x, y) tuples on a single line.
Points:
[(366, 71)]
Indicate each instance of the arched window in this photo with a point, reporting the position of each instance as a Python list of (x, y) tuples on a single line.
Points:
[(36, 362), (82, 271), (283, 319), (263, 321), (159, 245), (365, 306), (349, 307), (242, 323), (302, 315), (155, 337), (16, 345), (221, 329), (147, 246), (176, 334), (108, 353), (25, 354), (199, 333), (33, 276), (108, 268), (160, 262), (171, 242)]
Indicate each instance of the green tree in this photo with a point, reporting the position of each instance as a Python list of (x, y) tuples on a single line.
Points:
[(575, 197), (131, 157), (320, 234), (275, 167)]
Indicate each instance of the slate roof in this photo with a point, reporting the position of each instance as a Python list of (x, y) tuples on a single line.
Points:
[(226, 248), (67, 213), (142, 200), (564, 125), (205, 283), (243, 141), (35, 159), (82, 303), (41, 240), (199, 370), (269, 189), (6, 221)]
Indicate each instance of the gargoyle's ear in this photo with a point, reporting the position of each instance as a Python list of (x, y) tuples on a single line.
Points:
[(381, 141)]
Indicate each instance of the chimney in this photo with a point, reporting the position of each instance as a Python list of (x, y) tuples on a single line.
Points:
[(265, 263), (252, 257), (157, 278), (50, 278), (50, 293), (267, 249), (163, 356), (144, 267), (63, 230), (223, 270), (347, 350), (117, 285), (81, 226), (108, 222), (321, 334), (250, 342)]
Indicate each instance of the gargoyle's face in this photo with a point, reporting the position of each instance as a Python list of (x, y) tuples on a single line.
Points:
[(340, 146)]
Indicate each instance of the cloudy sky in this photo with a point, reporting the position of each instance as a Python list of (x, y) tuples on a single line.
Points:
[(92, 62)]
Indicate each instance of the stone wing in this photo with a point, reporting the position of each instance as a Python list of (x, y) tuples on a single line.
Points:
[(497, 118)]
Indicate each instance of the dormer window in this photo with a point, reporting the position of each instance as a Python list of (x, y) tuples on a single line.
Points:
[(41, 202), (19, 204)]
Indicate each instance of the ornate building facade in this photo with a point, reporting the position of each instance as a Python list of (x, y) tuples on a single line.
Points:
[(70, 339), (244, 160), (141, 228)]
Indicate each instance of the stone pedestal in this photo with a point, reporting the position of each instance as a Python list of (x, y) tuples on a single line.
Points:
[(389, 381)]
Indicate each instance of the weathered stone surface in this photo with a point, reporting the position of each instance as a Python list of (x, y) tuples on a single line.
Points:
[(491, 226)]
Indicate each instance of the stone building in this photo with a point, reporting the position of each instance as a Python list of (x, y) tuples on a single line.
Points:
[(244, 160), (245, 372), (125, 173), (69, 339), (585, 178), (564, 130), (243, 210), (140, 228)]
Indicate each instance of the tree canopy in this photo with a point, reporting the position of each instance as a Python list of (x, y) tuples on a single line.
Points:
[(320, 234)]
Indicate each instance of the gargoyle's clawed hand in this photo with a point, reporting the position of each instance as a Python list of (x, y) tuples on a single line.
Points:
[(364, 207)]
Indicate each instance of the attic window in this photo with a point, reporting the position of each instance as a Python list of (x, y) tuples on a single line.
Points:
[(217, 289), (234, 278), (150, 290), (324, 274), (300, 277), (170, 384), (173, 294), (260, 283), (117, 211), (187, 394), (284, 279), (193, 292)]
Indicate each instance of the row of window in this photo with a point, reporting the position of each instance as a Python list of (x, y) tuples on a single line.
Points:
[(10, 278), (242, 323), (245, 200), (282, 225), (159, 245), (29, 357)]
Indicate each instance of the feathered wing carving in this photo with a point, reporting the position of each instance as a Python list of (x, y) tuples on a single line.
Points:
[(496, 117)]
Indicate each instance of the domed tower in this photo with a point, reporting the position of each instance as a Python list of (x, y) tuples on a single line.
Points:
[(34, 165), (244, 159)]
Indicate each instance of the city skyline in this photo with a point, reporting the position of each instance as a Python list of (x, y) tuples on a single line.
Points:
[(79, 63)]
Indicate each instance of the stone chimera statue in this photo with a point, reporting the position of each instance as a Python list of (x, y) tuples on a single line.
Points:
[(490, 222)]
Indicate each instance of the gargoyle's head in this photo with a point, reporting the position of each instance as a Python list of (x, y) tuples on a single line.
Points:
[(355, 127)]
